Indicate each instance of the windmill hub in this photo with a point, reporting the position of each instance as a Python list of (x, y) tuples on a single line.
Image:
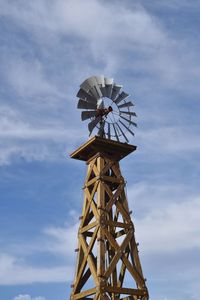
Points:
[(103, 111)]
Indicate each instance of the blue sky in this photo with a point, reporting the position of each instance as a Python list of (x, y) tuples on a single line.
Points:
[(47, 49)]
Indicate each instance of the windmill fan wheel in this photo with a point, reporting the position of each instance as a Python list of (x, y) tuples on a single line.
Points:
[(106, 107)]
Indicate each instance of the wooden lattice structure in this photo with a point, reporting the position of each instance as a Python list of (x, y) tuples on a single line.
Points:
[(108, 265)]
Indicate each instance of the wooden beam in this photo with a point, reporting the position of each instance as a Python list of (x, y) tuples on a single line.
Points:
[(84, 294)]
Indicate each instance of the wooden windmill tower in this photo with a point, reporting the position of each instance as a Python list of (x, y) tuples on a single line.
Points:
[(108, 264)]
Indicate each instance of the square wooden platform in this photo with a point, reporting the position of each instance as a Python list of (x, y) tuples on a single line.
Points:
[(96, 144)]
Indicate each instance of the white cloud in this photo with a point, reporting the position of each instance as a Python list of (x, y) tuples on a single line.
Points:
[(59, 241), (27, 78), (133, 30), (129, 31), (28, 297), (170, 139), (62, 240), (166, 217), (26, 274), (23, 138), (67, 17)]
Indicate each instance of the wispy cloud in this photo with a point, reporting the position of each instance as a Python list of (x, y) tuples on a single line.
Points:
[(58, 242), (28, 297), (31, 140), (26, 274), (48, 48), (40, 82), (170, 139), (28, 79), (174, 228)]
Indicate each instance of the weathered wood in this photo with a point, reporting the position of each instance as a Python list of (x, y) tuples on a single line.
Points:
[(116, 150), (88, 227), (82, 295), (101, 220), (120, 290), (105, 211), (118, 224), (83, 261)]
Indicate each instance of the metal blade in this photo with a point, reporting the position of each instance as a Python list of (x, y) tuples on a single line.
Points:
[(93, 123), (131, 122), (96, 92), (108, 87), (103, 91), (115, 91), (88, 83), (88, 114), (128, 113), (86, 96), (82, 104), (126, 127), (122, 132), (116, 135), (108, 91), (121, 97), (127, 104), (109, 81), (100, 80), (91, 85), (108, 130)]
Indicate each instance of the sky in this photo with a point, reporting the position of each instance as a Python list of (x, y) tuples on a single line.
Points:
[(47, 48)]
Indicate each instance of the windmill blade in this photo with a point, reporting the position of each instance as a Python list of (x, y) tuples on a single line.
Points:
[(108, 130), (107, 90), (103, 90), (85, 95), (130, 113), (89, 83), (88, 114), (121, 97), (115, 91), (126, 104), (96, 92), (127, 127), (116, 135), (100, 80), (129, 121), (93, 123), (122, 132), (82, 104), (108, 81)]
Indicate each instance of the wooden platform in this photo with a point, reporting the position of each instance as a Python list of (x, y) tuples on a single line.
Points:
[(96, 144)]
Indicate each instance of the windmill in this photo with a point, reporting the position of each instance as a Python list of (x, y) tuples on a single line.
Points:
[(105, 104), (108, 264)]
